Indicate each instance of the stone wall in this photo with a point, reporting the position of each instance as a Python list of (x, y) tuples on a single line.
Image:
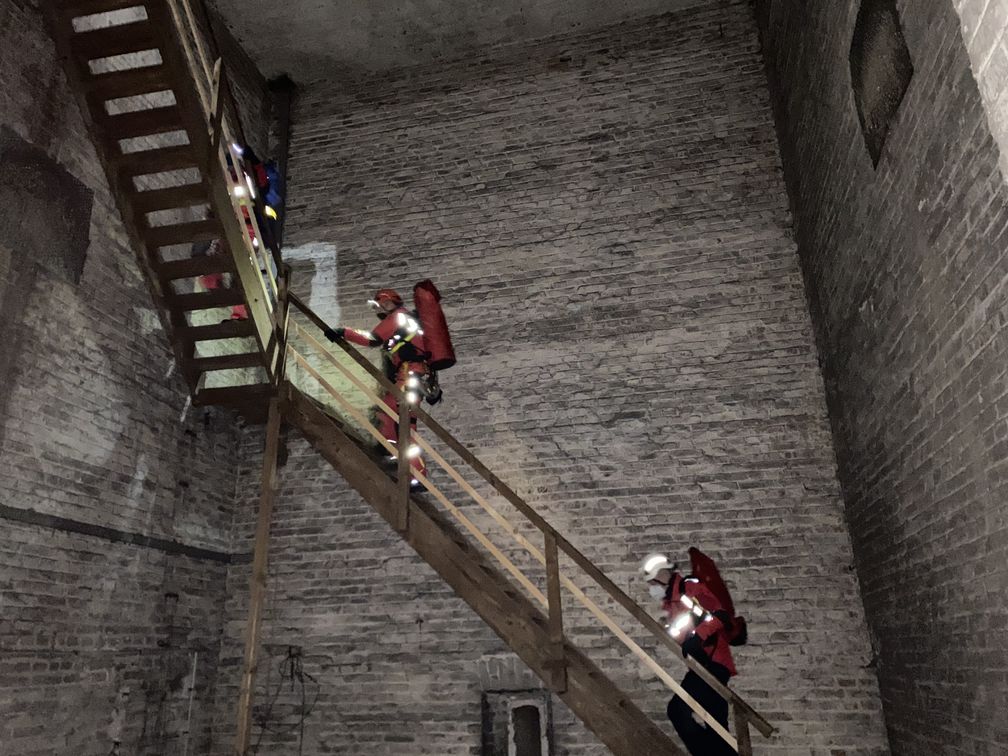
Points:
[(606, 217), (906, 268)]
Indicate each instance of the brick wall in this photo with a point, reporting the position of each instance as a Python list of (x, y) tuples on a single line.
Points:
[(906, 268), (606, 217), (984, 25), (115, 503)]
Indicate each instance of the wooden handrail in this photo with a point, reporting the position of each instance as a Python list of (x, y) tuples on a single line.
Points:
[(215, 92), (614, 591)]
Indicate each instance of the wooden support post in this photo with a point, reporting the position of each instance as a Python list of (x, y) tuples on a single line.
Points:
[(282, 89), (258, 580), (278, 366), (742, 731), (556, 633), (405, 474)]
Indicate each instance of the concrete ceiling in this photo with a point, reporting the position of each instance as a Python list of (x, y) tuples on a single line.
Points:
[(311, 37)]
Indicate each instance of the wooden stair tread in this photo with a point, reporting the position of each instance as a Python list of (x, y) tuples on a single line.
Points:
[(228, 362), (141, 123), (191, 267), (78, 8), (156, 161), (233, 395), (171, 197), (114, 40), (204, 300), (229, 329), (128, 82), (182, 233)]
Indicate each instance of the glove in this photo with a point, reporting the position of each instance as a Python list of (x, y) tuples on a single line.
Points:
[(334, 334), (693, 646)]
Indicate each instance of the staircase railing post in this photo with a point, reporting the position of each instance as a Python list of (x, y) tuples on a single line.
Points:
[(555, 601), (216, 114), (742, 730), (402, 515), (283, 319), (260, 561)]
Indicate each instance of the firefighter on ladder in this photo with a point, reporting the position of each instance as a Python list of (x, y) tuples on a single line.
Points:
[(702, 619), (401, 334)]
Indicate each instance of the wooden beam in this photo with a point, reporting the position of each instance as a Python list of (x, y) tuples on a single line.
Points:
[(115, 40), (556, 633), (127, 83), (234, 396), (78, 8), (282, 89), (229, 329), (227, 362), (184, 195), (205, 300), (742, 731), (190, 267), (260, 562), (140, 123), (157, 160)]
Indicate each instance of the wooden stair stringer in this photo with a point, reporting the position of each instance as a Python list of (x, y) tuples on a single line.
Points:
[(604, 708)]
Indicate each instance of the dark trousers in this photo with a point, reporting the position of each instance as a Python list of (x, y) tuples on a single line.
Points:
[(699, 739)]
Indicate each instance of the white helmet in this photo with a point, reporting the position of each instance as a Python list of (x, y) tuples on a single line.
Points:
[(654, 564)]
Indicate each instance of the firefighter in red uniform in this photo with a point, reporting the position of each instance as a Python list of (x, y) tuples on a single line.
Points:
[(701, 618), (399, 333)]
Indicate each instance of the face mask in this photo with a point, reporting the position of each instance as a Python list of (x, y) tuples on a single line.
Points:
[(657, 591)]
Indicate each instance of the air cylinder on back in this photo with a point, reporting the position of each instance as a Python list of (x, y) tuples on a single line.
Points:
[(427, 300)]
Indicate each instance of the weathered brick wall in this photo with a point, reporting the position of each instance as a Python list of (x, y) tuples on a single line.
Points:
[(905, 267), (606, 217), (115, 504), (984, 25)]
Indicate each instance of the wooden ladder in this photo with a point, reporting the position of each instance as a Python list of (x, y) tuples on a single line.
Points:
[(158, 127)]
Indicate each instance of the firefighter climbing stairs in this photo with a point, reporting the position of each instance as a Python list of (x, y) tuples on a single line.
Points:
[(157, 102)]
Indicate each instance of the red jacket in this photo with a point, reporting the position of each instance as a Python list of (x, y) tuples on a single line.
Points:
[(398, 333), (711, 631)]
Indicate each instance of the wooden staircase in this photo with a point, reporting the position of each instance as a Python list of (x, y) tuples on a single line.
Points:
[(475, 563), (162, 135), (605, 709), (159, 110)]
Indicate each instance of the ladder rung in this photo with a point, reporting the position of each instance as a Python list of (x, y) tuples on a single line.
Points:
[(114, 40), (144, 122), (183, 195), (232, 395), (228, 362), (205, 300), (229, 329), (195, 266), (156, 161), (127, 83), (183, 233), (77, 8)]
